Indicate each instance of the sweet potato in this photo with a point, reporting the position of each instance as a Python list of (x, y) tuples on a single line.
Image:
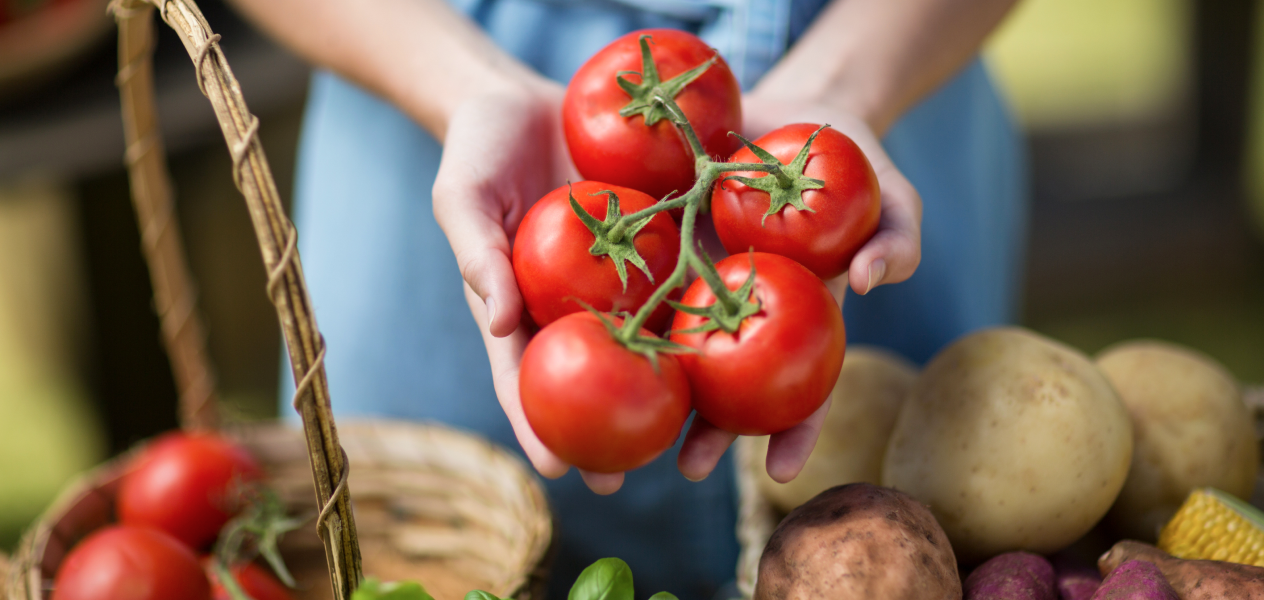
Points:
[(1136, 580), (858, 542), (1192, 579), (1075, 579), (1012, 576)]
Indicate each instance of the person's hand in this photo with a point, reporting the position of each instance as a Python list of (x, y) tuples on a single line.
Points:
[(890, 257), (501, 153)]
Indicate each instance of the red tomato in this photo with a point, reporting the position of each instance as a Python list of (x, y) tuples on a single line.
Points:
[(781, 363), (257, 581), (183, 483), (554, 267), (622, 150), (596, 404), (121, 562), (825, 241)]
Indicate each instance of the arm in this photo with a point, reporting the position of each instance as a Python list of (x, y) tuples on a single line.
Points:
[(402, 50)]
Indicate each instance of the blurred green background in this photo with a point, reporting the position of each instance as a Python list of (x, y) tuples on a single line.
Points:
[(1146, 125)]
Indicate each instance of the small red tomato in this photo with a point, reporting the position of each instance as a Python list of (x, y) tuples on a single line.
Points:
[(781, 363), (596, 404), (121, 562), (554, 267), (622, 150), (184, 484), (846, 209), (257, 581)]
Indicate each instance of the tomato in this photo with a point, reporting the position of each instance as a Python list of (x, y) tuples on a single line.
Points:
[(623, 150), (122, 562), (554, 267), (781, 363), (257, 581), (596, 404), (183, 483), (846, 208)]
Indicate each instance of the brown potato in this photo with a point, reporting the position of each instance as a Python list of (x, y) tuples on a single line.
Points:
[(864, 404), (1191, 430), (862, 542)]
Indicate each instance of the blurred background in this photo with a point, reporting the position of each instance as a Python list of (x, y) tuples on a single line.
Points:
[(1145, 122)]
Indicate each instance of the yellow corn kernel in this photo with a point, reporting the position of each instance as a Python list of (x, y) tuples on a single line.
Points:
[(1214, 525)]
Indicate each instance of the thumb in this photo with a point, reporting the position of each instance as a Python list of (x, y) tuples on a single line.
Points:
[(482, 252)]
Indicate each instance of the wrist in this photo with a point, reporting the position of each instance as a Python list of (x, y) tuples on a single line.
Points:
[(831, 86)]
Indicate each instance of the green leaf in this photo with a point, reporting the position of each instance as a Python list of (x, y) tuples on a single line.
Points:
[(606, 579), (613, 237), (664, 596), (785, 185), (480, 595), (372, 589), (642, 94)]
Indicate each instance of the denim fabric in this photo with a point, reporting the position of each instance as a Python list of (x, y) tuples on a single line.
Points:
[(401, 342)]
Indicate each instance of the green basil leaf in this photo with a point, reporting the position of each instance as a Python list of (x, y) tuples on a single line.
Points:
[(372, 589), (480, 595), (664, 596), (606, 579)]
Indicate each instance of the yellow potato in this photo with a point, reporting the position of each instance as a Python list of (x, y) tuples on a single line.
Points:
[(864, 404), (1015, 441), (1191, 428)]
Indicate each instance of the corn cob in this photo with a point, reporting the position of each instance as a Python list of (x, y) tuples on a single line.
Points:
[(1215, 525)]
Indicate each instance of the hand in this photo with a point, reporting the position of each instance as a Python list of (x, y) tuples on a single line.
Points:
[(890, 257), (501, 153), (896, 249)]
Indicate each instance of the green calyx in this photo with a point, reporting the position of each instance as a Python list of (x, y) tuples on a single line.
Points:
[(643, 94), (647, 346), (613, 237), (729, 309), (786, 184)]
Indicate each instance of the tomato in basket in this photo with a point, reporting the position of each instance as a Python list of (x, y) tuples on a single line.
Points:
[(186, 484), (123, 562)]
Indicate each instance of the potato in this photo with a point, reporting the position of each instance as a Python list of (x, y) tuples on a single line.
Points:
[(1190, 426), (858, 542), (1192, 579), (1015, 441), (865, 402)]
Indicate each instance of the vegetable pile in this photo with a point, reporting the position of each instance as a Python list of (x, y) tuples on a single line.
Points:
[(1024, 451), (757, 341)]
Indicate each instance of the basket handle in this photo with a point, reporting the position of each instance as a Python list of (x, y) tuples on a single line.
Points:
[(277, 242)]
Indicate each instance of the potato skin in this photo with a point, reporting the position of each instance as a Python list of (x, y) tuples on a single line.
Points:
[(858, 542), (1192, 579), (1015, 441), (864, 404), (1190, 426), (1012, 576)]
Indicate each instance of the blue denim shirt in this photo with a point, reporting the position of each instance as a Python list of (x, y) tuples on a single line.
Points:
[(402, 344)]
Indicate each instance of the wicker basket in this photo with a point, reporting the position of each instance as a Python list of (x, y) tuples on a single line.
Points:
[(434, 505)]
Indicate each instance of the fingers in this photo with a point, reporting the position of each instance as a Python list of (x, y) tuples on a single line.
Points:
[(505, 356), (894, 252), (790, 449), (704, 445), (602, 484), (475, 228)]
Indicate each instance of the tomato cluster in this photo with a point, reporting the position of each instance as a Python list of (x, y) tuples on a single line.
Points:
[(757, 341), (175, 496)]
